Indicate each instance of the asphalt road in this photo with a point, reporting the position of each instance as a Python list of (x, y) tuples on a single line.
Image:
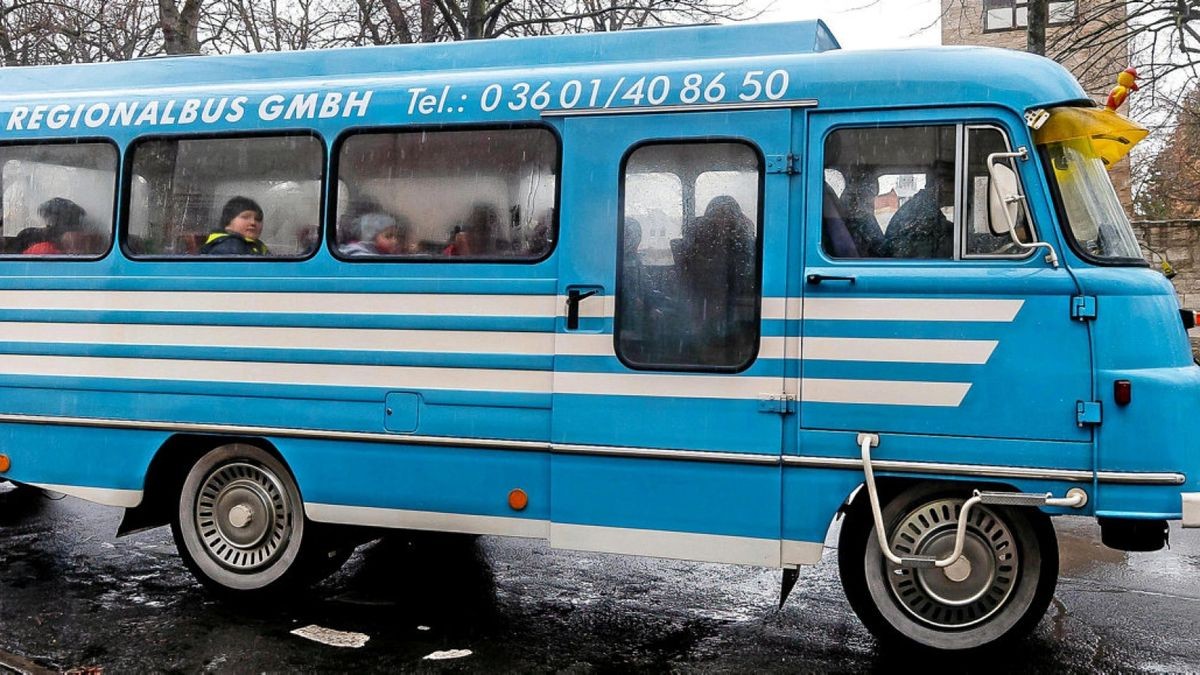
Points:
[(73, 596)]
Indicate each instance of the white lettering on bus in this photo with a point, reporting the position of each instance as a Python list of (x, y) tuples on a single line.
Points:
[(303, 106)]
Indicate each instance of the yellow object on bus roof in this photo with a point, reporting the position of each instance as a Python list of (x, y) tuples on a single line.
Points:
[(1113, 135)]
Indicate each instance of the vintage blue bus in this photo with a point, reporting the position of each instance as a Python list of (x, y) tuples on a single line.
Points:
[(691, 293)]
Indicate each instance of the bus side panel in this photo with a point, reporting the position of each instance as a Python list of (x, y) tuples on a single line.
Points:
[(442, 488), (109, 465), (667, 508)]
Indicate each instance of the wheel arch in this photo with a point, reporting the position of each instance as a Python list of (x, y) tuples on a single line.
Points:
[(167, 470)]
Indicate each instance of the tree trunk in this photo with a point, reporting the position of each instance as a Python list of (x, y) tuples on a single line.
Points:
[(179, 26), (1035, 35)]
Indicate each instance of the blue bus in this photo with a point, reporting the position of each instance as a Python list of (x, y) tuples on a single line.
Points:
[(693, 293)]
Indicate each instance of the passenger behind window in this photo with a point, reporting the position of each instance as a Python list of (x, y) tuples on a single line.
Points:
[(381, 235), (541, 239), (716, 263), (919, 229), (858, 207), (64, 232), (475, 237), (242, 226), (836, 235)]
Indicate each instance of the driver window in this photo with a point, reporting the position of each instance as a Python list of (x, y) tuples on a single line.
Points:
[(897, 198)]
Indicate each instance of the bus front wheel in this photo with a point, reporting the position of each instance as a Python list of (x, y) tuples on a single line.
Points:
[(240, 526), (997, 592)]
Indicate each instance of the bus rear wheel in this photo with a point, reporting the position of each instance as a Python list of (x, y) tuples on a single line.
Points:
[(996, 593), (240, 525)]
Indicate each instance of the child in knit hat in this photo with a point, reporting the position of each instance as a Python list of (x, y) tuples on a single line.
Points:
[(380, 234)]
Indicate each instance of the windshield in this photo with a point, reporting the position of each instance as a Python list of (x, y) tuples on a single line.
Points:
[(1094, 214)]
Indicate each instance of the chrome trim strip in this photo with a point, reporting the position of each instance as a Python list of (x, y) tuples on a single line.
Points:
[(990, 471), (696, 107), (657, 453), (975, 470)]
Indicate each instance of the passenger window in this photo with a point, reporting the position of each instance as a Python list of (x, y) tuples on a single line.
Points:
[(474, 195), (688, 242), (58, 199), (211, 198), (981, 142), (897, 194)]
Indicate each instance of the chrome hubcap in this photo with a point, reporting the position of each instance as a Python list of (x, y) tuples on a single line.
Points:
[(969, 591), (243, 516)]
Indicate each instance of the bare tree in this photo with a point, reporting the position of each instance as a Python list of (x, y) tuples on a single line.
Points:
[(180, 26), (1038, 15)]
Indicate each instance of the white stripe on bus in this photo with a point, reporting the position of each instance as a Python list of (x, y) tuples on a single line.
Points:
[(912, 309), (498, 305), (253, 302), (898, 350), (106, 496), (279, 337), (663, 544), (885, 392)]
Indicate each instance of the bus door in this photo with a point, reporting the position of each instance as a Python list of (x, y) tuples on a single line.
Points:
[(668, 367), (956, 346)]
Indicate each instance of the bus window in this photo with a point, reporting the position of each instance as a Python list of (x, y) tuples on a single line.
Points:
[(898, 195), (471, 195), (58, 199), (979, 240), (688, 286), (184, 193)]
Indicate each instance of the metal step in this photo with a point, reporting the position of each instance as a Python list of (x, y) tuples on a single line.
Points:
[(1015, 498)]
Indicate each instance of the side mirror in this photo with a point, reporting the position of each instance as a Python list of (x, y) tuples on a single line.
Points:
[(1004, 199)]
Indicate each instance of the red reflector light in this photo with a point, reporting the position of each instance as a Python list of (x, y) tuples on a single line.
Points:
[(1123, 392)]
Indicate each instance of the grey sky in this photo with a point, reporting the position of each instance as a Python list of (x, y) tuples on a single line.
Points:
[(865, 24)]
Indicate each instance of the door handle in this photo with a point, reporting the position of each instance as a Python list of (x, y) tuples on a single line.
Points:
[(818, 278), (574, 297)]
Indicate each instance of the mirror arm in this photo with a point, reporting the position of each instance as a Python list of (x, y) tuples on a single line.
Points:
[(1023, 154)]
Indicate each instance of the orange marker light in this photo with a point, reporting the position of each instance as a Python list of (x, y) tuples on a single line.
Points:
[(518, 500), (5, 463)]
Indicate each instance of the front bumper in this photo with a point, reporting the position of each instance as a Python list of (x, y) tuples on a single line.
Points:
[(1191, 509)]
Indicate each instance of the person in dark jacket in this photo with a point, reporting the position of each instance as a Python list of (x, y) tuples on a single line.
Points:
[(242, 220)]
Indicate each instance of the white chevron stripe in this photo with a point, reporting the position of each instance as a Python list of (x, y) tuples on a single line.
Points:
[(884, 392), (912, 309), (898, 351)]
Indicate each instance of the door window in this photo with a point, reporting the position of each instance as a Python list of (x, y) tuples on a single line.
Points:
[(688, 281)]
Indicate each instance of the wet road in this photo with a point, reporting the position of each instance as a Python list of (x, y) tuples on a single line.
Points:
[(71, 595)]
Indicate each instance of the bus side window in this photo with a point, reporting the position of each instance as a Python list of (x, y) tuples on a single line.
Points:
[(183, 192), (452, 195), (897, 198), (58, 199), (688, 280)]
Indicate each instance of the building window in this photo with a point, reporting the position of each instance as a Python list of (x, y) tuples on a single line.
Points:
[(1001, 15)]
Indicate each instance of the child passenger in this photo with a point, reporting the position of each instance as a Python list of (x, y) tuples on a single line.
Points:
[(380, 234), (241, 227)]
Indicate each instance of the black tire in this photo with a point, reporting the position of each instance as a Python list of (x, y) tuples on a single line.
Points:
[(240, 526), (1001, 596)]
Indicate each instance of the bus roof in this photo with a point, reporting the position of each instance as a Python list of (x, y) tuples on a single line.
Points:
[(834, 77)]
